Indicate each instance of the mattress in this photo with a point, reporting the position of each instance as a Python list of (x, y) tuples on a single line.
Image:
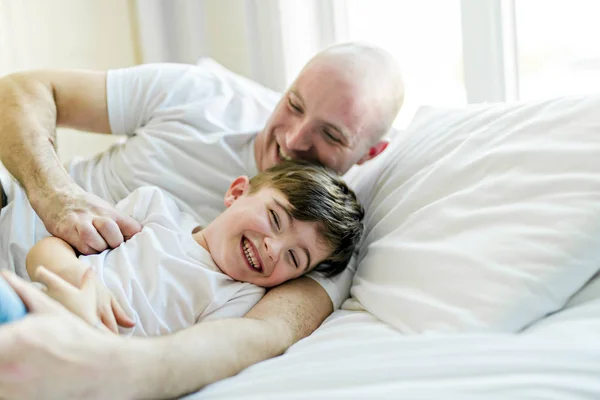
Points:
[(355, 356)]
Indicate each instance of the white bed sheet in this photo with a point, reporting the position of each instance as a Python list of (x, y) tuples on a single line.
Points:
[(355, 356)]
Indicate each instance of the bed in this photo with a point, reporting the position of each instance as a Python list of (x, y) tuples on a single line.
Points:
[(353, 355)]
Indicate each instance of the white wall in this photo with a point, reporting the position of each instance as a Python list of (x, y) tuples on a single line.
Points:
[(68, 34), (91, 34)]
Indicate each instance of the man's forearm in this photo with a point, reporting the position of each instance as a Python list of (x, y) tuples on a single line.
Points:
[(27, 129), (173, 365), (182, 363)]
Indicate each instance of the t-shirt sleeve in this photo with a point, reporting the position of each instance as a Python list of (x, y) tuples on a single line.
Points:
[(238, 305), (337, 287), (136, 95), (204, 99)]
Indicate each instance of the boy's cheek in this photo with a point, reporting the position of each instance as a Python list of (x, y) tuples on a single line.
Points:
[(268, 282), (277, 279), (266, 225)]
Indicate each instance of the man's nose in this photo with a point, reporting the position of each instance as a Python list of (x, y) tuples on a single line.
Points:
[(298, 138)]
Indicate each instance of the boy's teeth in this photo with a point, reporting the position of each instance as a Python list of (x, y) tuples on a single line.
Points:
[(249, 255)]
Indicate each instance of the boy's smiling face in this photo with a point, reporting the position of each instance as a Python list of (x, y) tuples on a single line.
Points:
[(256, 239)]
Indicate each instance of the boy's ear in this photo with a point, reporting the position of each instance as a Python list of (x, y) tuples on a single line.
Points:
[(238, 187), (374, 151)]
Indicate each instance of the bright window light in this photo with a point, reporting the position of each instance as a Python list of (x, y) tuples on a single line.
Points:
[(425, 37), (558, 51)]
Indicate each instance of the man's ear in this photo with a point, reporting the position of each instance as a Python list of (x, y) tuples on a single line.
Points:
[(238, 187), (374, 151)]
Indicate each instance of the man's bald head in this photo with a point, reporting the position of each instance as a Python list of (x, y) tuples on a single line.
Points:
[(336, 111), (373, 70)]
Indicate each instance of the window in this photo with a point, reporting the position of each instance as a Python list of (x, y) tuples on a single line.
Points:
[(456, 51), (557, 47), (424, 36)]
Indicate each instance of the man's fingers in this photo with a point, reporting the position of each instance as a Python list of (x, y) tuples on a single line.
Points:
[(71, 232), (8, 337), (129, 226), (90, 236), (109, 230), (120, 315), (34, 299), (74, 240)]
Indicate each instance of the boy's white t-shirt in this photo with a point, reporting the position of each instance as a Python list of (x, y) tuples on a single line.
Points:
[(162, 277), (186, 135)]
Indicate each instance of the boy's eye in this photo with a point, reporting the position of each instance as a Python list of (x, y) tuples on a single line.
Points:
[(275, 218), (295, 107), (294, 260)]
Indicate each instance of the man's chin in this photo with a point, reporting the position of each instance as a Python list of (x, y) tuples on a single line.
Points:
[(268, 164), (270, 159)]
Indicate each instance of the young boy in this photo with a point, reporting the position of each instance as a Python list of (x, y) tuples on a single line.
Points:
[(281, 224)]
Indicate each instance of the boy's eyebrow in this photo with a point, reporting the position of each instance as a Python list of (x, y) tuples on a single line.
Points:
[(287, 212), (291, 222)]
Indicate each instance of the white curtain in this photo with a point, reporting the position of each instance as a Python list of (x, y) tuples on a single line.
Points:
[(226, 30), (251, 37)]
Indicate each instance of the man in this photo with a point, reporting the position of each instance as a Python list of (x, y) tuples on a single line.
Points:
[(335, 113)]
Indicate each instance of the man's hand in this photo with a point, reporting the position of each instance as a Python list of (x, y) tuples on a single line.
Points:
[(32, 105), (92, 301), (39, 352), (88, 223), (51, 354)]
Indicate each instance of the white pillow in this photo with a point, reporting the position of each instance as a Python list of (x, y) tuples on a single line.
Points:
[(482, 218), (589, 292)]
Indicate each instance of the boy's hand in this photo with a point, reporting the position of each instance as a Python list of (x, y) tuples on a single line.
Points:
[(92, 302), (108, 308)]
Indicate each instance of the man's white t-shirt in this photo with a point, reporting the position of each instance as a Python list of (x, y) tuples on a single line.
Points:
[(185, 129), (164, 280)]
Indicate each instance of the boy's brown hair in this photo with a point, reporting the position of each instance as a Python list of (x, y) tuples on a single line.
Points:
[(317, 194)]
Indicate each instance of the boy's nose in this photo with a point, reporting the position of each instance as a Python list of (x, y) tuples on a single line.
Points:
[(273, 248)]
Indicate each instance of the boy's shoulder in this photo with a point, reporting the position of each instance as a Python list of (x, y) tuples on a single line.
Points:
[(149, 204)]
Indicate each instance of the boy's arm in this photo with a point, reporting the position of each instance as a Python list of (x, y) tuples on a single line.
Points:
[(57, 256), (89, 294)]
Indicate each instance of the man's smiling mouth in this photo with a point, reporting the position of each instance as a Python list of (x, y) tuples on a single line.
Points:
[(282, 155)]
